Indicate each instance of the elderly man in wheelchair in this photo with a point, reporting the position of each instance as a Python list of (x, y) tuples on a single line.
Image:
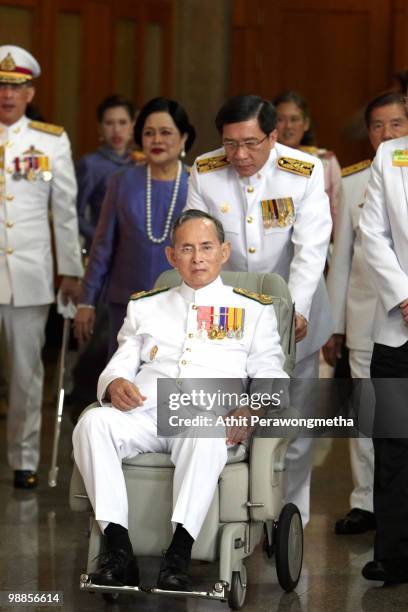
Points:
[(199, 329)]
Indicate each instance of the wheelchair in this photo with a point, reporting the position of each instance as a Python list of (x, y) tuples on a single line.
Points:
[(247, 507)]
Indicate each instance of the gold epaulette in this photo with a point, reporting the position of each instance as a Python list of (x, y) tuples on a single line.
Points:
[(141, 294), (354, 168), (49, 128), (262, 298), (297, 166), (211, 163)]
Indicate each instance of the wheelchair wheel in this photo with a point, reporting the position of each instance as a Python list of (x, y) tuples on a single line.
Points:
[(237, 593), (289, 547)]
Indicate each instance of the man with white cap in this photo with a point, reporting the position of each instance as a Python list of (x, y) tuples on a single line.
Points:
[(35, 171)]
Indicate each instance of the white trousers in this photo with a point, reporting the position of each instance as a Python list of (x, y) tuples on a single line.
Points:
[(361, 449), (298, 461), (24, 330), (104, 436)]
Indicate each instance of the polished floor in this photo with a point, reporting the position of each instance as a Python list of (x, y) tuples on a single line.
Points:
[(43, 547)]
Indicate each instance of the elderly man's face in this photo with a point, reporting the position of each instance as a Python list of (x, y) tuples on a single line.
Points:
[(246, 146), (197, 252), (387, 122), (13, 101)]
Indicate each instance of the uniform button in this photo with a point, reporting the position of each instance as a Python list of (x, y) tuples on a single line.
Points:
[(16, 130), (10, 170), (188, 349), (184, 362), (191, 335), (252, 249), (250, 219), (10, 223), (250, 189), (9, 251), (9, 197), (194, 307), (9, 144)]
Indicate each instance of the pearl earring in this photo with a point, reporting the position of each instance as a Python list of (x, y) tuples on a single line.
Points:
[(183, 153)]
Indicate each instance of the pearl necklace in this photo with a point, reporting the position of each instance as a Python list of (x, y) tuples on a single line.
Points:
[(149, 205)]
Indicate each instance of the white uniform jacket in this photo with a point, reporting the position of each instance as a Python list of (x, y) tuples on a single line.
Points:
[(384, 227), (161, 338), (332, 176), (352, 294), (26, 264), (297, 251)]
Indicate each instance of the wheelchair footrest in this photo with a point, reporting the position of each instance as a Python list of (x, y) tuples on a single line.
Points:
[(218, 593)]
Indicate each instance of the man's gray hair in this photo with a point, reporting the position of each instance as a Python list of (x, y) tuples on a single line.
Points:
[(189, 215)]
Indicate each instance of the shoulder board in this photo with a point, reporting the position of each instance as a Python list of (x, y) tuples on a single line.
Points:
[(258, 297), (208, 164), (49, 128), (142, 294), (297, 166), (355, 168)]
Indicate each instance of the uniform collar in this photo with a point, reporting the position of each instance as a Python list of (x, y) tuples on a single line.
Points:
[(200, 295), (256, 178), (16, 127)]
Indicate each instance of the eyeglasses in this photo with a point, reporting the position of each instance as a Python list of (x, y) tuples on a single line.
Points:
[(188, 250), (251, 144)]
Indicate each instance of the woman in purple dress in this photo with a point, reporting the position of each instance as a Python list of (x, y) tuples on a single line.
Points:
[(116, 121), (134, 225)]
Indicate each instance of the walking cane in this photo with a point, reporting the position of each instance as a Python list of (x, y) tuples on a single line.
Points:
[(53, 473)]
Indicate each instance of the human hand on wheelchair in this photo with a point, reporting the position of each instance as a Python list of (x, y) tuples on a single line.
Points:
[(241, 429), (124, 395), (300, 327)]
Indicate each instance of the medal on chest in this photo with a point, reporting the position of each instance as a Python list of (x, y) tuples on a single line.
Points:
[(220, 322), (278, 212), (32, 165)]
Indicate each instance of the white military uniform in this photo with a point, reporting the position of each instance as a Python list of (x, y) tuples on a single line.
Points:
[(161, 338), (293, 244), (37, 151), (353, 299), (332, 176), (383, 224)]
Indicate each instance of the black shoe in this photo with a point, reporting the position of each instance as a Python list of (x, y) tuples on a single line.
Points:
[(173, 574), (116, 568), (25, 479), (356, 521), (374, 570), (389, 572)]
